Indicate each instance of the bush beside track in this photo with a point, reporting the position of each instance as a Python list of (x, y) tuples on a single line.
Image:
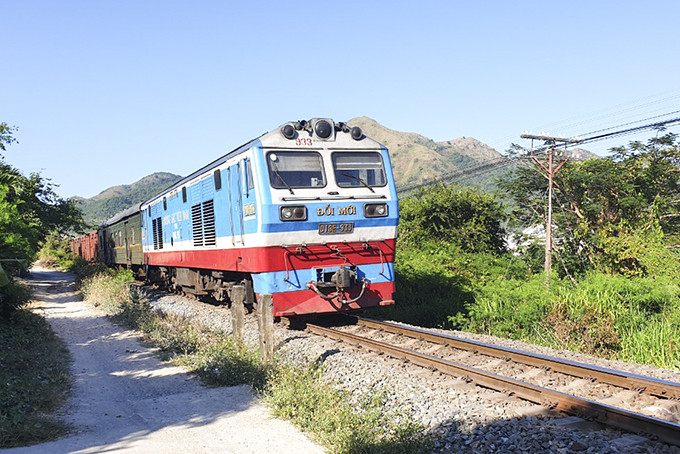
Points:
[(34, 379)]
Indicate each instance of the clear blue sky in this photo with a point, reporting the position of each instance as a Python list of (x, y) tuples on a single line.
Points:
[(106, 92)]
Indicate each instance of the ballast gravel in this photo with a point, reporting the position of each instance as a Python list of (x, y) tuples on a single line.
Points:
[(460, 416)]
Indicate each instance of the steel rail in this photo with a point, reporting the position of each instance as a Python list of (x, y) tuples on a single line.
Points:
[(652, 386), (612, 416)]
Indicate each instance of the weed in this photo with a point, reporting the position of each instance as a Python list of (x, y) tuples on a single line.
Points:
[(35, 377), (108, 291), (12, 297), (339, 423)]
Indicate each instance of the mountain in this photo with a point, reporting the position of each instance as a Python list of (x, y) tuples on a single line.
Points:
[(417, 159), (112, 200), (579, 154)]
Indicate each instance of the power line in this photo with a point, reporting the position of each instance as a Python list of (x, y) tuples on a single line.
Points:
[(505, 161), (490, 165), (599, 118)]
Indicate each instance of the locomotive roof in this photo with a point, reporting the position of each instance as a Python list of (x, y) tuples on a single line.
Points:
[(204, 169), (275, 135)]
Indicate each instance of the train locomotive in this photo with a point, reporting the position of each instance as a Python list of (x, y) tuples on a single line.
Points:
[(307, 213)]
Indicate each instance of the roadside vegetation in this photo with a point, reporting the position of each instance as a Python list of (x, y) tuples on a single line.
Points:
[(34, 362), (615, 286), (296, 393), (34, 380)]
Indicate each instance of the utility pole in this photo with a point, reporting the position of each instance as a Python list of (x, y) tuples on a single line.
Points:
[(549, 171)]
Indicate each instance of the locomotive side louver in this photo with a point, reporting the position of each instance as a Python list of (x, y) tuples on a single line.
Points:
[(203, 224), (157, 231), (197, 224), (209, 236)]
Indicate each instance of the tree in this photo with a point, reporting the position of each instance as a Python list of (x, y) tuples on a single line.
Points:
[(604, 204), (6, 136), (29, 208), (454, 214)]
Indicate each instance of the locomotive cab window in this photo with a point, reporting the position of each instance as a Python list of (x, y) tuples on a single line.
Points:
[(296, 169), (354, 169)]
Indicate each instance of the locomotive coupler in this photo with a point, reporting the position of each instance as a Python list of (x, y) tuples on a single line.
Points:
[(343, 278)]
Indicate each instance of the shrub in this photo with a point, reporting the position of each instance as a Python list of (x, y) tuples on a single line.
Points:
[(108, 290), (453, 214), (55, 252), (635, 252), (13, 296), (35, 380)]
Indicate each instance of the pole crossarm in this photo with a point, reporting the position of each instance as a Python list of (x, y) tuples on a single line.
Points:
[(550, 139)]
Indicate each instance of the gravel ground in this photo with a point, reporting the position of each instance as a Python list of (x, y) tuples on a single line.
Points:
[(462, 417)]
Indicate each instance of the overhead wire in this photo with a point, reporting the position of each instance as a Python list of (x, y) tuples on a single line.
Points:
[(465, 173), (612, 114)]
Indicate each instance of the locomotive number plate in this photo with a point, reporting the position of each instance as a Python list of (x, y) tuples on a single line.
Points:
[(336, 229)]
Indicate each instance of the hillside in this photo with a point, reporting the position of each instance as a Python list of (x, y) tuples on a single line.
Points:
[(416, 159), (117, 198)]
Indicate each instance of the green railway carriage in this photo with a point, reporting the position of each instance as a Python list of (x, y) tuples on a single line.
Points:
[(120, 239)]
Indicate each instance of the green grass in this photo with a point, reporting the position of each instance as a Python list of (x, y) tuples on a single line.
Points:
[(107, 290), (34, 380), (341, 424), (630, 318), (633, 319)]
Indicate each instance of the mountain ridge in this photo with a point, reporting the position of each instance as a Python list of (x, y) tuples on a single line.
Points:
[(416, 161), (110, 201)]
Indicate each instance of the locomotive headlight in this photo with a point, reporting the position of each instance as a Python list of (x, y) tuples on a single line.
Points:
[(375, 210), (323, 129), (293, 213), (288, 131)]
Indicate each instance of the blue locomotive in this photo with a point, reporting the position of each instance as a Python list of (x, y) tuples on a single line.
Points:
[(307, 213)]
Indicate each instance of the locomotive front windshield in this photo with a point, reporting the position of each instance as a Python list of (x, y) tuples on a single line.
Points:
[(359, 169), (296, 169)]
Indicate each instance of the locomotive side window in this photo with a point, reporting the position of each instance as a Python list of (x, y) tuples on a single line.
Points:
[(296, 169), (217, 176), (358, 169), (250, 184)]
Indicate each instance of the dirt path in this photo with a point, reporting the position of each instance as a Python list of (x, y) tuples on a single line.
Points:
[(126, 400)]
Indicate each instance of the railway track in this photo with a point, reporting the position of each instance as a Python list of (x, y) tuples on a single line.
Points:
[(619, 399)]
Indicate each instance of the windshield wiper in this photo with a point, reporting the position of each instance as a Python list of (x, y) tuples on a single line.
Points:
[(276, 171), (359, 179)]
